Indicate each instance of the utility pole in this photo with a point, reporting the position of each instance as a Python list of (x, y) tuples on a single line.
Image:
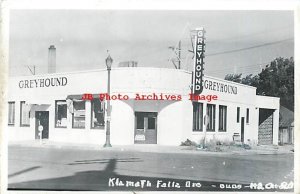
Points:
[(192, 37), (177, 51), (179, 54), (32, 72)]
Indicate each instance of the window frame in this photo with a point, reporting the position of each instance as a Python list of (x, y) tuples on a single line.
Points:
[(154, 124), (13, 113), (221, 114), (197, 117), (55, 116), (213, 129), (74, 116), (247, 115), (92, 109), (21, 115)]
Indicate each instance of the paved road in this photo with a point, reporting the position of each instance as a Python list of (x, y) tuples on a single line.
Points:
[(73, 169)]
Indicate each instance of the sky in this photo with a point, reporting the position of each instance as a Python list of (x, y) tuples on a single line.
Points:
[(236, 41)]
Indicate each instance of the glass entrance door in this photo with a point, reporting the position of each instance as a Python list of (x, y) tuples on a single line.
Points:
[(42, 120), (145, 128)]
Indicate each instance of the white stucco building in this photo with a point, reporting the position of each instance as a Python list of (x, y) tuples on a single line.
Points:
[(54, 101)]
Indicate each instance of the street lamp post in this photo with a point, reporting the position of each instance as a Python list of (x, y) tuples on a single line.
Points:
[(108, 62)]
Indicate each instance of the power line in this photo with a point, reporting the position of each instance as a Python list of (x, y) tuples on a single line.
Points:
[(244, 69), (243, 73), (248, 48), (246, 66), (254, 73), (273, 30)]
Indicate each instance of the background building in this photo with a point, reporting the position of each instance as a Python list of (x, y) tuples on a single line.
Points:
[(286, 126)]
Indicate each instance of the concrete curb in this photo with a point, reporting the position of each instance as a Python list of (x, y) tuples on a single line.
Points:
[(144, 148)]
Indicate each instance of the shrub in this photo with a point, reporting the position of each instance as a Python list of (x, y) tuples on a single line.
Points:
[(188, 142)]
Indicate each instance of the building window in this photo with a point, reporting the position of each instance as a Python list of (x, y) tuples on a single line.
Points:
[(78, 116), (24, 114), (61, 113), (11, 113), (222, 118), (151, 123), (211, 113), (247, 116), (97, 114), (238, 114), (140, 121), (197, 116)]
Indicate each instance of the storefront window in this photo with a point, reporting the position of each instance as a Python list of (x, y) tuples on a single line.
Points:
[(197, 116), (61, 113), (97, 114), (11, 113), (211, 113), (222, 118), (78, 120), (25, 114)]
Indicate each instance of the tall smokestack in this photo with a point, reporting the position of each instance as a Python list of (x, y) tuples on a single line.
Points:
[(52, 59)]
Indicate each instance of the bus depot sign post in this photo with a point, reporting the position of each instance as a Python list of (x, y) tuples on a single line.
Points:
[(198, 63), (199, 50)]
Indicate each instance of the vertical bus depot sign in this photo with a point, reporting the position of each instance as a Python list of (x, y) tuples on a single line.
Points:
[(198, 63)]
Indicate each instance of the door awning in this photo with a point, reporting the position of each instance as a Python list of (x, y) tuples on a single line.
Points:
[(79, 96), (37, 101), (74, 96)]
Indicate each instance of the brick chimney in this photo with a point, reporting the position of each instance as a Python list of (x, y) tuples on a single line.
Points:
[(52, 59)]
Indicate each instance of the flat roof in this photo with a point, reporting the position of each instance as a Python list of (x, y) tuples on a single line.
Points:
[(126, 68)]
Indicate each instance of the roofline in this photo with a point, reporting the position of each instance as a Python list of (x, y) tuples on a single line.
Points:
[(121, 68), (268, 96), (96, 70), (224, 80)]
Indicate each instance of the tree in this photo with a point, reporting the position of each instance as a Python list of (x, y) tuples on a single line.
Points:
[(234, 77), (277, 79), (248, 80)]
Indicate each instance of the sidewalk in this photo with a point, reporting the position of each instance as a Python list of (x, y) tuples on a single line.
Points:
[(273, 149), (261, 150)]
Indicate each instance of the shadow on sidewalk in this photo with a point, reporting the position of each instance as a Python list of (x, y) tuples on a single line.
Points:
[(78, 162), (23, 171), (108, 180)]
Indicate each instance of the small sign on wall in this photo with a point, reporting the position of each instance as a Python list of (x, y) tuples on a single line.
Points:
[(139, 138)]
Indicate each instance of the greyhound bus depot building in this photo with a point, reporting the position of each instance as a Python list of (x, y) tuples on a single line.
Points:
[(54, 101)]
